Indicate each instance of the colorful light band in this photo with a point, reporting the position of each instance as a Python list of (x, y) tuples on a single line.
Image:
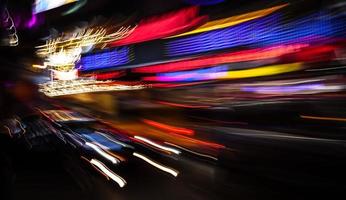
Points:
[(260, 32), (240, 56), (231, 21), (116, 57), (217, 75)]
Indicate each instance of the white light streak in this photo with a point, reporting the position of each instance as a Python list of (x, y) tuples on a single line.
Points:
[(121, 182), (157, 165), (60, 88), (103, 153), (157, 145), (193, 152)]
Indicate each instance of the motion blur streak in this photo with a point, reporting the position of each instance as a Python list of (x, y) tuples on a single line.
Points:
[(246, 73), (240, 56), (263, 71), (193, 152), (232, 21), (121, 182), (324, 118), (103, 153), (181, 105), (166, 127), (157, 145), (157, 165), (163, 26)]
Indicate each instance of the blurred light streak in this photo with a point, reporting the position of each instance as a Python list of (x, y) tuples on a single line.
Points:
[(157, 165), (263, 71), (61, 88), (39, 66), (172, 150), (193, 152), (232, 21), (163, 26), (284, 89), (76, 7), (181, 105), (109, 75), (237, 74), (166, 127), (240, 56), (200, 142), (64, 51), (116, 141), (32, 21), (324, 118), (173, 85), (106, 59), (102, 141), (44, 5), (96, 168), (12, 30), (64, 116), (259, 32), (121, 182), (8, 131), (195, 75), (103, 153), (326, 69), (65, 75)]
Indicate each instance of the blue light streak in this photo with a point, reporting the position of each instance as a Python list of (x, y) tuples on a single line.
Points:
[(107, 59)]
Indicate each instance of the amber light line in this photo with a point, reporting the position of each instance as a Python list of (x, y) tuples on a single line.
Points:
[(324, 118)]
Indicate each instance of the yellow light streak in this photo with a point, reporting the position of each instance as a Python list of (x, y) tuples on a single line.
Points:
[(231, 21), (261, 71)]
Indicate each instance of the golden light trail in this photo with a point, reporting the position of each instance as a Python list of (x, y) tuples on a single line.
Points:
[(324, 118), (157, 145), (231, 21), (157, 165), (121, 182)]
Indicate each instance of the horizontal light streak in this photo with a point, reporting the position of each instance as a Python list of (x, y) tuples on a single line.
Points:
[(233, 57), (231, 21), (175, 151), (103, 153)]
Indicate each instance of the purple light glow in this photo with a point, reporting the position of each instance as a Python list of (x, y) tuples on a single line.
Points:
[(283, 89), (32, 22)]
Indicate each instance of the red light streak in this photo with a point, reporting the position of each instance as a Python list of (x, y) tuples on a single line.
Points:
[(181, 105), (178, 130), (163, 26), (240, 56)]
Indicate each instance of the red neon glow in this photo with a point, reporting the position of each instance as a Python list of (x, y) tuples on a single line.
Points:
[(240, 56), (163, 26), (110, 75), (170, 128)]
